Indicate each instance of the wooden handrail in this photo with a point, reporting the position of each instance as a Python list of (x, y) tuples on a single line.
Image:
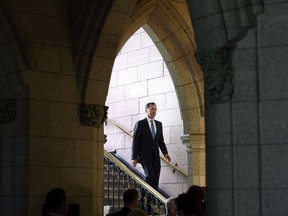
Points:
[(162, 158)]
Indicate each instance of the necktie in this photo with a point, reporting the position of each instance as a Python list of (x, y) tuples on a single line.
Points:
[(152, 130)]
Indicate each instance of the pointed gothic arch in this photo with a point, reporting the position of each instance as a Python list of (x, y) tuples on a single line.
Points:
[(173, 36)]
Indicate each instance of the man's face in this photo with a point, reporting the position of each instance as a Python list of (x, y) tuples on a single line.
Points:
[(151, 111)]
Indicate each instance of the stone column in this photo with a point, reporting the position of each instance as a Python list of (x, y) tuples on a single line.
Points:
[(195, 145), (186, 141)]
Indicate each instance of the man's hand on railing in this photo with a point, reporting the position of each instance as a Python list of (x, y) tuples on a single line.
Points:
[(134, 162), (167, 157)]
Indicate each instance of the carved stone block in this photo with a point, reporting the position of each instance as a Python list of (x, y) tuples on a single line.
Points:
[(93, 115), (7, 110), (217, 67)]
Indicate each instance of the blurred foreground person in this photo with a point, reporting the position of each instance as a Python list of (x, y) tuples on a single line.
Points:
[(131, 201), (56, 202), (186, 205)]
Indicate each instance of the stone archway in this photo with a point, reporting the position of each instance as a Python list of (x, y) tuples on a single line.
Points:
[(173, 36)]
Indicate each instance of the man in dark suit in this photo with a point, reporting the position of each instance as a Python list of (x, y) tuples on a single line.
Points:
[(147, 139), (131, 201)]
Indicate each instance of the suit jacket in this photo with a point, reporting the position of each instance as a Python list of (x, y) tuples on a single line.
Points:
[(144, 148), (122, 212)]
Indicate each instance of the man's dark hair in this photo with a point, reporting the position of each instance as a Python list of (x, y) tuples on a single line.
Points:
[(55, 198), (149, 104), (187, 204), (130, 195)]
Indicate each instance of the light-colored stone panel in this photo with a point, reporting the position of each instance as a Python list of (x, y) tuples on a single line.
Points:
[(138, 57), (115, 141), (121, 62), (127, 76), (146, 41), (165, 83), (172, 189), (125, 108), (54, 152), (136, 90), (166, 134), (171, 100), (125, 123), (167, 176), (114, 79), (175, 134), (125, 153), (111, 128), (134, 43), (174, 117), (115, 94), (178, 154), (155, 55), (150, 71), (128, 145)]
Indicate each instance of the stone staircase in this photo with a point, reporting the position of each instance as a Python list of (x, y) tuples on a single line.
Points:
[(116, 181)]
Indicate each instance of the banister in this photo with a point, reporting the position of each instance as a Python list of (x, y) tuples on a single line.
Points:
[(135, 177)]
